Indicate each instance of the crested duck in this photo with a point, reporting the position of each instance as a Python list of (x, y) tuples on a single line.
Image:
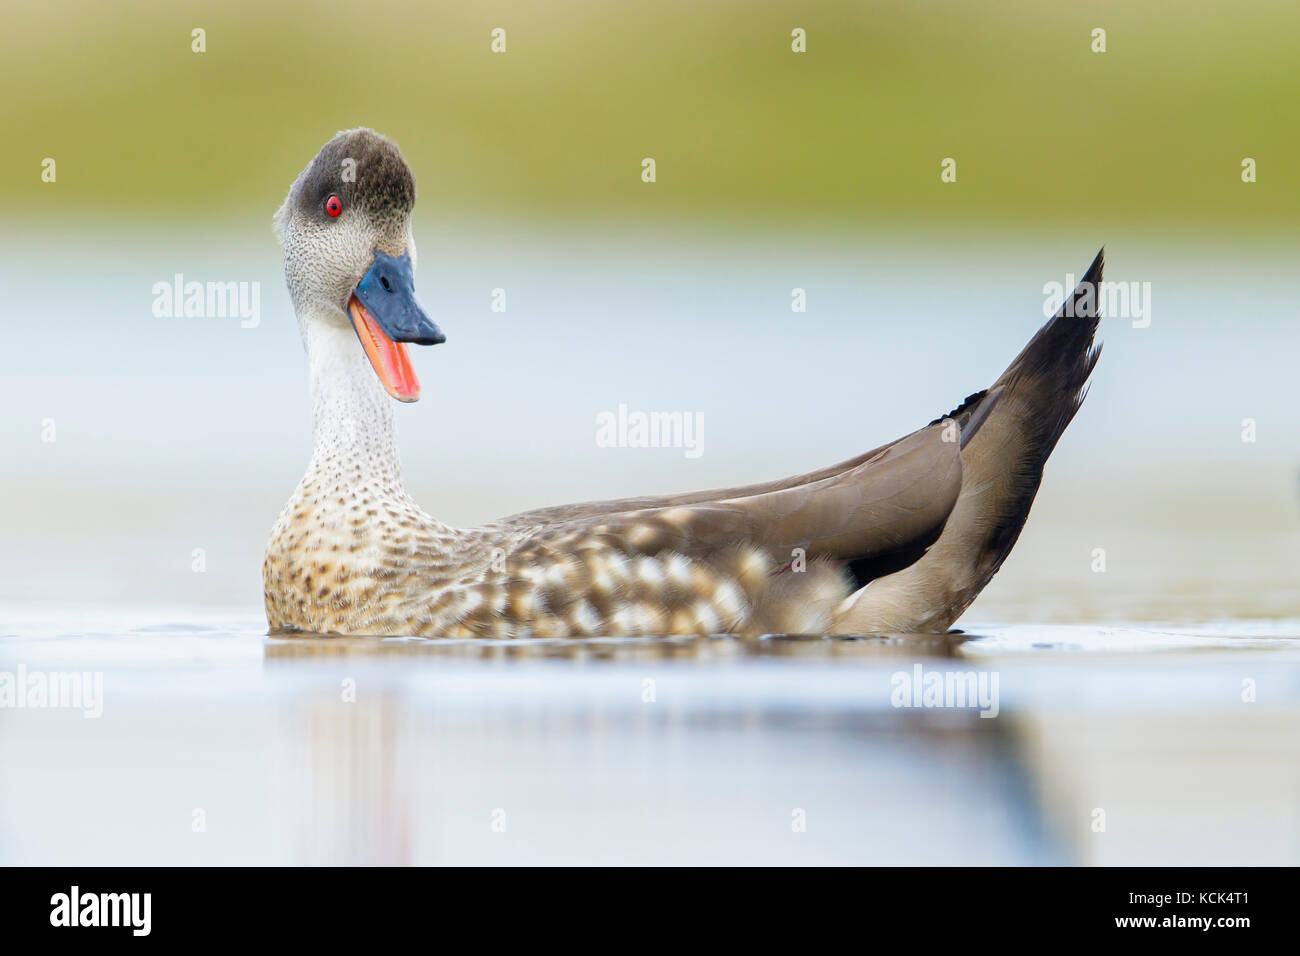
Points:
[(899, 539)]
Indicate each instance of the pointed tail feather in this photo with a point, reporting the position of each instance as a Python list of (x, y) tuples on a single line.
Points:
[(1008, 433)]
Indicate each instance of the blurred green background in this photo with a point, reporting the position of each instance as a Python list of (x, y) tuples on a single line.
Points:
[(1045, 132)]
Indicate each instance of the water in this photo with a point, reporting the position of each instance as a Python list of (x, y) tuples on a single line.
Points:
[(217, 744)]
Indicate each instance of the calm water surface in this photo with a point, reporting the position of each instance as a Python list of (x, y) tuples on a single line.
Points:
[(217, 744)]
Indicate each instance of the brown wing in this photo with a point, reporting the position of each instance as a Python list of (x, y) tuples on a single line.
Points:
[(893, 500), (590, 509)]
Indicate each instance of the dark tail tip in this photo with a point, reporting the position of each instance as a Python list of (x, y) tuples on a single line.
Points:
[(1051, 373), (1085, 301), (1098, 264)]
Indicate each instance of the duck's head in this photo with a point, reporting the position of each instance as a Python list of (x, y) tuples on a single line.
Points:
[(349, 256)]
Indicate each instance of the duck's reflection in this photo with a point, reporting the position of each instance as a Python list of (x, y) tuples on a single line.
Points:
[(342, 771), (395, 752), (624, 650)]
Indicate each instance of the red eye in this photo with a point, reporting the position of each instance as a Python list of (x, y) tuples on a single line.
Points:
[(334, 206)]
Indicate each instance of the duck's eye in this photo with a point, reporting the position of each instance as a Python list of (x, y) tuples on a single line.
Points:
[(334, 206)]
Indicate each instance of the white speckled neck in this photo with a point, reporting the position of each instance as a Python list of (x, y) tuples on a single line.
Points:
[(355, 437)]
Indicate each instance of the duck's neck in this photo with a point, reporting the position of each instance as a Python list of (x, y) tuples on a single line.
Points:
[(355, 438)]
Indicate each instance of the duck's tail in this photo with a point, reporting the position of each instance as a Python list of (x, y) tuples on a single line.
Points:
[(1008, 431)]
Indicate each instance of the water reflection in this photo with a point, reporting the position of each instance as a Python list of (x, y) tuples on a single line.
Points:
[(371, 751), (625, 650), (343, 777), (704, 750), (459, 769)]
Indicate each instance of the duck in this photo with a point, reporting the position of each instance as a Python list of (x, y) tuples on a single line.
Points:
[(900, 539)]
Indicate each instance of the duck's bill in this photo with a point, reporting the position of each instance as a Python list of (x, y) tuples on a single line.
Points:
[(388, 358), (386, 316)]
